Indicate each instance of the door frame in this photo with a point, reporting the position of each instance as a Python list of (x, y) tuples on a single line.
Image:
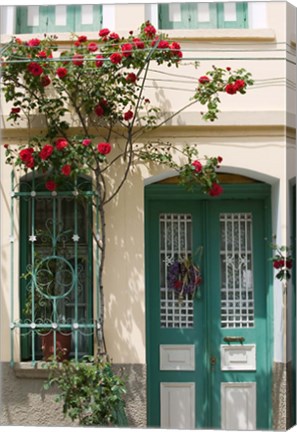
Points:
[(163, 192)]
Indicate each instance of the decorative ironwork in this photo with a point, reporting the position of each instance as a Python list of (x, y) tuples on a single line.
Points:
[(237, 288), (175, 241), (57, 278)]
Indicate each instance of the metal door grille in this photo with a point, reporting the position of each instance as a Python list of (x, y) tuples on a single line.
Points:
[(237, 290), (175, 242)]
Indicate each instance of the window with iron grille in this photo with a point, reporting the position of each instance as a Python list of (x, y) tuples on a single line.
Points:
[(59, 18), (56, 267), (202, 15)]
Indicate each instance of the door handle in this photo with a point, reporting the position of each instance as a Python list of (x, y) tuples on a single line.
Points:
[(229, 339)]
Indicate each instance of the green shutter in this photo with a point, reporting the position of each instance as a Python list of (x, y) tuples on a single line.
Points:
[(241, 16), (97, 19), (47, 20), (191, 18)]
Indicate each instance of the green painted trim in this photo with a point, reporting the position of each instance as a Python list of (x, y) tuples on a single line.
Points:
[(293, 309), (155, 195)]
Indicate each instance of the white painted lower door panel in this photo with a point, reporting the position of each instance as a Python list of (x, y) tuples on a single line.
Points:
[(177, 405), (238, 405)]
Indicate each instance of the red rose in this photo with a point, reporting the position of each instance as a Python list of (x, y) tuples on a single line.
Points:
[(45, 80), (150, 31), (197, 166), (228, 68), (127, 49), (26, 154), (138, 43), (46, 152), (99, 62), (61, 72), (15, 110), (99, 110), (82, 38), (51, 185), (66, 170), (204, 79), (104, 32), (116, 58), (239, 84), (215, 190), (86, 142), (61, 143), (128, 115), (35, 69), (30, 163), (77, 44), (78, 59), (175, 46), (6, 146), (18, 41), (114, 36), (92, 47), (289, 263), (230, 89), (278, 264), (41, 54), (163, 44), (34, 42), (131, 78), (220, 159), (104, 148)]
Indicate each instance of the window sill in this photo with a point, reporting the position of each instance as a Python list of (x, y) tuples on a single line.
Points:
[(183, 35), (222, 34), (27, 370)]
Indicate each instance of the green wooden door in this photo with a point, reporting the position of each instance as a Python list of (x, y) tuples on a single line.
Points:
[(209, 359)]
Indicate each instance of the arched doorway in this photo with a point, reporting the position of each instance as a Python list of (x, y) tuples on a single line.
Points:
[(209, 358)]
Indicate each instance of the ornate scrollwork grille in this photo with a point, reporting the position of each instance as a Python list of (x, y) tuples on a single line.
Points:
[(56, 266)]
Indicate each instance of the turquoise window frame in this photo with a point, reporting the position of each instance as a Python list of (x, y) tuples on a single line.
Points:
[(189, 17), (25, 259), (47, 20)]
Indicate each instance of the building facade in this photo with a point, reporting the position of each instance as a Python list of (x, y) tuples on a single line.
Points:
[(226, 359)]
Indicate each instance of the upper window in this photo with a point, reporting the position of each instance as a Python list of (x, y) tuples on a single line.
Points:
[(50, 19), (203, 15)]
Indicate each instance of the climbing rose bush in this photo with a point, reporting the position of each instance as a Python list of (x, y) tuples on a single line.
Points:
[(99, 86), (93, 114)]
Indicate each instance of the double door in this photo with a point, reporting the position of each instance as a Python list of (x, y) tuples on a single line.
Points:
[(209, 355)]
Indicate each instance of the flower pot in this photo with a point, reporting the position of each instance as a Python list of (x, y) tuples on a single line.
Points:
[(63, 345)]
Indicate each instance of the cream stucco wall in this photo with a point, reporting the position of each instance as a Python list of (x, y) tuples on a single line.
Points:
[(250, 135)]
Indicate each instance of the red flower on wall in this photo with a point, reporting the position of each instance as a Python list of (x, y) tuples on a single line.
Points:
[(46, 152), (215, 190), (104, 148), (66, 169), (128, 115), (116, 58), (61, 72), (51, 185), (35, 69), (197, 166), (34, 42)]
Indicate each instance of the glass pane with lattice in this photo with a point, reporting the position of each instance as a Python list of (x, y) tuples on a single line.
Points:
[(175, 243), (237, 287)]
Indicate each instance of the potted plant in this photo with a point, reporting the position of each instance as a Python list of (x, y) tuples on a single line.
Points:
[(90, 391)]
